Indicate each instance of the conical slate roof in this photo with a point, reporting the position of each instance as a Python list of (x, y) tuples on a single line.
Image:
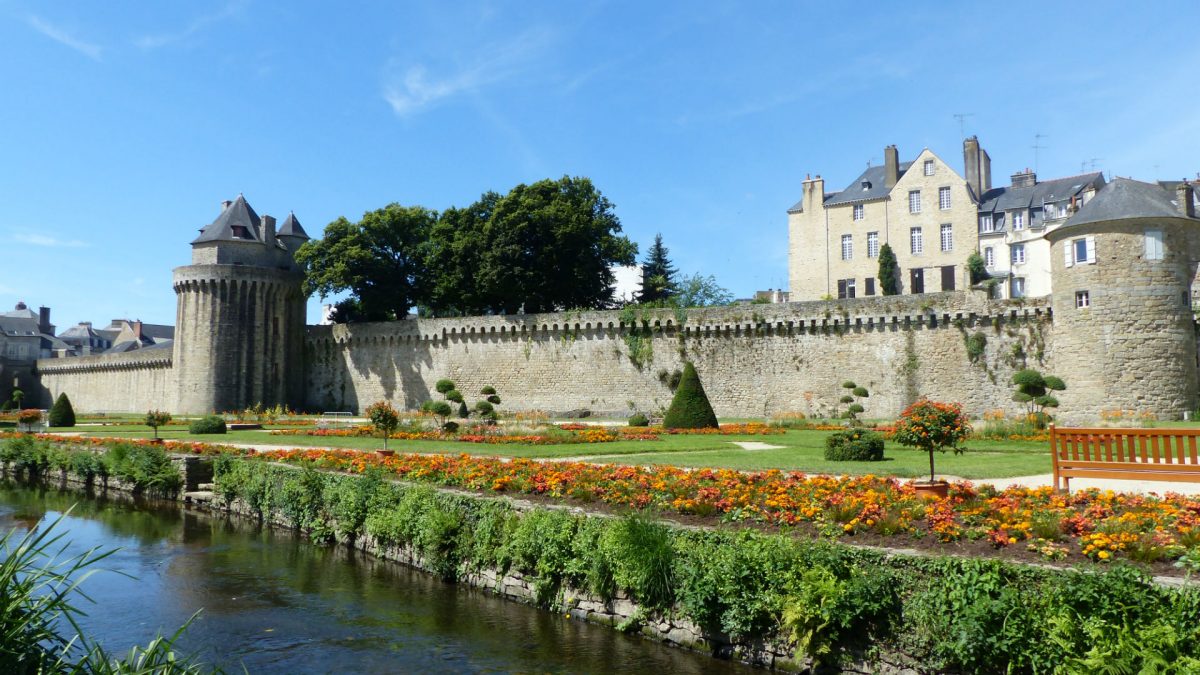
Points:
[(239, 213), (291, 228), (1125, 198)]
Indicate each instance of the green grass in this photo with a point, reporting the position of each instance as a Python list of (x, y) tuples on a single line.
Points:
[(801, 451)]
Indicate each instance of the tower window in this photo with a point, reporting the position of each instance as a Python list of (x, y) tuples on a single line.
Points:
[(929, 167), (943, 198), (1082, 301)]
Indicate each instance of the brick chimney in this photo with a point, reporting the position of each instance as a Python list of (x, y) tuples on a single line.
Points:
[(1184, 194), (814, 193), (137, 330), (891, 166), (977, 167), (1024, 178)]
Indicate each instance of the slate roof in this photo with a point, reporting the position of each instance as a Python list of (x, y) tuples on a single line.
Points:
[(1054, 190), (1125, 198), (19, 326), (79, 331), (855, 192), (21, 312), (291, 228), (134, 345), (238, 213)]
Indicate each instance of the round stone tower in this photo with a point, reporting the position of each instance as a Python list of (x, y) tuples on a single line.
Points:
[(1124, 333), (240, 315)]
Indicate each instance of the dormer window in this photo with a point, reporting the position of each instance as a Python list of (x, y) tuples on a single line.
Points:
[(866, 185), (239, 232)]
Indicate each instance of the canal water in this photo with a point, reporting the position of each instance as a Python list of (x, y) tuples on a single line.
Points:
[(272, 603)]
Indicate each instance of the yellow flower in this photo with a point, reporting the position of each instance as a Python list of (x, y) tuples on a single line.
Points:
[(1103, 555)]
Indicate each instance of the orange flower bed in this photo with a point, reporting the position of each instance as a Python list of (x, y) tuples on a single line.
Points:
[(587, 434)]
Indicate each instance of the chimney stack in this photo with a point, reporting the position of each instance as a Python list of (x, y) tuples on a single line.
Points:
[(44, 325), (137, 330), (1024, 178), (268, 233), (225, 205), (814, 193), (977, 167), (891, 166), (1184, 194)]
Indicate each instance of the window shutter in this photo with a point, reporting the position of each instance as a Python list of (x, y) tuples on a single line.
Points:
[(1154, 245), (1068, 253), (1091, 250)]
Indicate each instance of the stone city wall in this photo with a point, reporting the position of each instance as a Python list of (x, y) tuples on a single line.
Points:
[(753, 360), (131, 382)]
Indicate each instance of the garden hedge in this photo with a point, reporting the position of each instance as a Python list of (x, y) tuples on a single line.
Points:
[(209, 424), (690, 408), (854, 446)]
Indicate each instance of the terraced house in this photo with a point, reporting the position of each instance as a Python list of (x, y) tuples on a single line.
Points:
[(923, 208)]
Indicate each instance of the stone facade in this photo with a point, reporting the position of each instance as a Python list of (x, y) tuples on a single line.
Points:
[(129, 382), (917, 200)]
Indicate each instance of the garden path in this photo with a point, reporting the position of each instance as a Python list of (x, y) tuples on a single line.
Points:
[(1138, 486)]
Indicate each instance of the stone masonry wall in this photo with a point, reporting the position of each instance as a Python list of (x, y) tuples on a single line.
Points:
[(132, 382), (753, 361)]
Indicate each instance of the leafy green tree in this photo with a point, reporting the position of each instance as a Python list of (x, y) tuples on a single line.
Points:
[(62, 414), (457, 245), (380, 260), (1033, 390), (658, 274), (155, 419), (977, 267), (698, 290), (933, 426), (889, 272), (690, 408)]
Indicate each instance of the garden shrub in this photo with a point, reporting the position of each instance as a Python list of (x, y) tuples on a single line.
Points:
[(854, 446), (690, 408), (638, 420), (641, 556), (147, 467), (61, 413), (209, 424)]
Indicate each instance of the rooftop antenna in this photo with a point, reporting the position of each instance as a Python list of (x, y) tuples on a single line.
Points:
[(1037, 145), (962, 123)]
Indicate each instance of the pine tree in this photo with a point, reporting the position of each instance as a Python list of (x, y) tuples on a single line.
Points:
[(889, 273), (658, 274), (690, 408), (61, 413)]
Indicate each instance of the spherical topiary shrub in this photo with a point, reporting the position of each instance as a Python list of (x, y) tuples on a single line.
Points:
[(690, 408), (854, 446), (638, 420), (61, 413), (209, 424)]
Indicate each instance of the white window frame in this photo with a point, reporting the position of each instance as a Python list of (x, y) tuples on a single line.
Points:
[(989, 257), (1018, 220), (847, 247), (1017, 254), (916, 240), (1070, 252), (914, 201), (943, 198), (930, 167), (986, 225), (947, 237), (858, 212), (1154, 244), (872, 244), (1082, 300)]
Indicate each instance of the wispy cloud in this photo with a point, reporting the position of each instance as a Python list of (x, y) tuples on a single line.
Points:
[(411, 88), (64, 37), (34, 239), (196, 26)]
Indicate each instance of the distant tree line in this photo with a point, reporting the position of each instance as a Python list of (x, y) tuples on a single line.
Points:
[(543, 247)]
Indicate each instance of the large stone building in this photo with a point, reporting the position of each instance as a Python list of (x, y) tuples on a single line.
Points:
[(1117, 328), (922, 208)]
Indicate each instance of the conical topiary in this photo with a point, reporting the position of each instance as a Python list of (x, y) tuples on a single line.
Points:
[(61, 413), (690, 408)]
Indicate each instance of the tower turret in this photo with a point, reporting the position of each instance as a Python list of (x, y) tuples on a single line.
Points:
[(240, 316)]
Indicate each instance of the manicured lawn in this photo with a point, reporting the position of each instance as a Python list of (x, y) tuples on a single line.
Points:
[(801, 451)]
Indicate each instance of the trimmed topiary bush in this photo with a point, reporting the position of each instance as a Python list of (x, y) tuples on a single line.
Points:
[(61, 413), (690, 408), (209, 424), (638, 420), (854, 446)]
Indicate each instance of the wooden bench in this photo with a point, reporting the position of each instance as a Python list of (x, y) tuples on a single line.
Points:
[(1130, 454)]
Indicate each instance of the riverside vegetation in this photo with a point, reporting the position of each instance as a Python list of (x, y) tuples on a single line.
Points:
[(829, 601)]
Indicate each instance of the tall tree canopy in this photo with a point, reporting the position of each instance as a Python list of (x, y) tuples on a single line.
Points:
[(381, 260), (658, 274), (542, 247)]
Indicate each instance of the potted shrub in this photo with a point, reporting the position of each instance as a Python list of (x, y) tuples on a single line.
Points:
[(155, 419), (932, 427), (28, 419), (385, 419)]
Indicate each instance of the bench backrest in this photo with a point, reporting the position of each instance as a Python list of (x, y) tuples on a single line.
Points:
[(1133, 446)]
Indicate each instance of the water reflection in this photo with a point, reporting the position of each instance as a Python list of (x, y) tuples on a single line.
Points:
[(274, 603)]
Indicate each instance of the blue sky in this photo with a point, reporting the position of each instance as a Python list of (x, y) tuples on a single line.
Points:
[(124, 125)]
